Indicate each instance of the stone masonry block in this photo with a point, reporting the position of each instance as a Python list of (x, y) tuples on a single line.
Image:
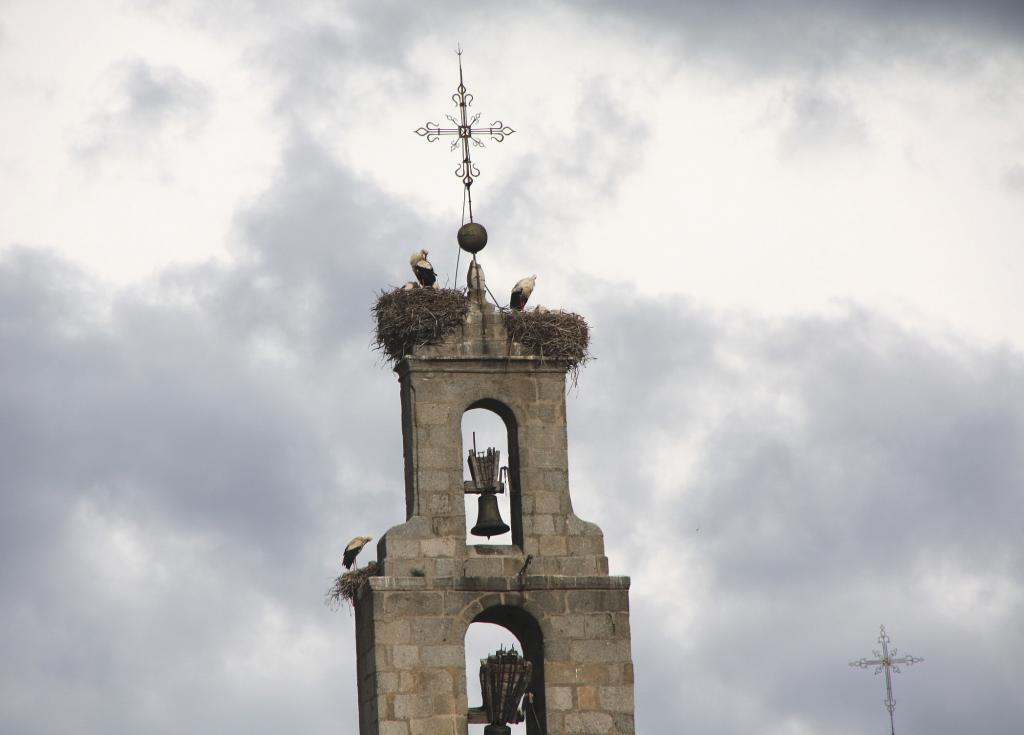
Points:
[(556, 481), (450, 525), (438, 437), (430, 630), (622, 673), (387, 682), (433, 413), (408, 682), (394, 631), (559, 698), (437, 459), (600, 625), (598, 600), (551, 388), (548, 503), (438, 725), (393, 728), (447, 567), (408, 706), (558, 650), (558, 519), (620, 625), (616, 698), (445, 703), (413, 603), (573, 566), (526, 503), (403, 548), (443, 656), (553, 545), (567, 626), (543, 411), (588, 651), (484, 567), (586, 697), (383, 707), (490, 600), (405, 657), (588, 723), (562, 672), (584, 545), (552, 601), (439, 547), (438, 681), (438, 503), (438, 478), (541, 524), (456, 602), (624, 723)]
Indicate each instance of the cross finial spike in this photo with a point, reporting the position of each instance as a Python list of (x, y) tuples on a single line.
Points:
[(886, 661), (465, 133)]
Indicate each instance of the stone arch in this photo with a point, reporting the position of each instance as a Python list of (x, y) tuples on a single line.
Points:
[(528, 623), (508, 417)]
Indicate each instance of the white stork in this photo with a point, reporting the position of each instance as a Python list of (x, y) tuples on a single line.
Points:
[(521, 292), (422, 269), (352, 550), (410, 285)]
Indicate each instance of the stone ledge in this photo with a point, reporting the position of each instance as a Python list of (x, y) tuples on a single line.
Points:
[(498, 584), (483, 364)]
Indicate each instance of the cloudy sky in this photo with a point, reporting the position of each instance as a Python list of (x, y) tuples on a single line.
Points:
[(795, 227)]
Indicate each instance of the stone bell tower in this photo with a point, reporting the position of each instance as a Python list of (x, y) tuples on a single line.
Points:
[(550, 588)]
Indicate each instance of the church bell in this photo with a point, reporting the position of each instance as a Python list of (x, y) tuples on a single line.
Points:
[(487, 473), (488, 517)]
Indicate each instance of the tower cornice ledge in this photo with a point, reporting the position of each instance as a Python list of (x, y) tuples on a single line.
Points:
[(481, 363), (500, 584)]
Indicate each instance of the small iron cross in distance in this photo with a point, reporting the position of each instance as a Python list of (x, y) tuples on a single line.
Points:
[(887, 661), (465, 133)]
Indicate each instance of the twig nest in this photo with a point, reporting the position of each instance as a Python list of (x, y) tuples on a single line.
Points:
[(410, 318), (555, 335), (346, 587)]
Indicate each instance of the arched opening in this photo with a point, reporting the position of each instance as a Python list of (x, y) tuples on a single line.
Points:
[(490, 424), (507, 626)]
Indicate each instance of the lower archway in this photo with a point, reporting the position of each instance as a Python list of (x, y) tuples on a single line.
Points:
[(505, 626)]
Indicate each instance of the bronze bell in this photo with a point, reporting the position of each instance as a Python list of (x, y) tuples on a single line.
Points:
[(488, 517)]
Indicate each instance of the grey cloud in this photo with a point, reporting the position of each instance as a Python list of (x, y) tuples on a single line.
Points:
[(798, 33), (170, 491), (754, 38), (180, 470), (821, 117), (138, 102), (847, 472), (1013, 178)]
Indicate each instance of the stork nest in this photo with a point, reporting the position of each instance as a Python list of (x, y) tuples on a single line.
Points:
[(407, 319), (553, 335), (346, 587)]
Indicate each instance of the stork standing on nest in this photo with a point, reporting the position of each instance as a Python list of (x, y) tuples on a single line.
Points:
[(352, 550), (423, 270), (521, 292)]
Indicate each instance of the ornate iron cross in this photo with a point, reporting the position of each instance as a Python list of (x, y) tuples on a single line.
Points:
[(886, 661), (466, 134)]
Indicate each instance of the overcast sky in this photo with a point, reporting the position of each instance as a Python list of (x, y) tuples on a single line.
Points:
[(796, 230)]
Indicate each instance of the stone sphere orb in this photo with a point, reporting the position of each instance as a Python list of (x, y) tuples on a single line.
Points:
[(472, 237)]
